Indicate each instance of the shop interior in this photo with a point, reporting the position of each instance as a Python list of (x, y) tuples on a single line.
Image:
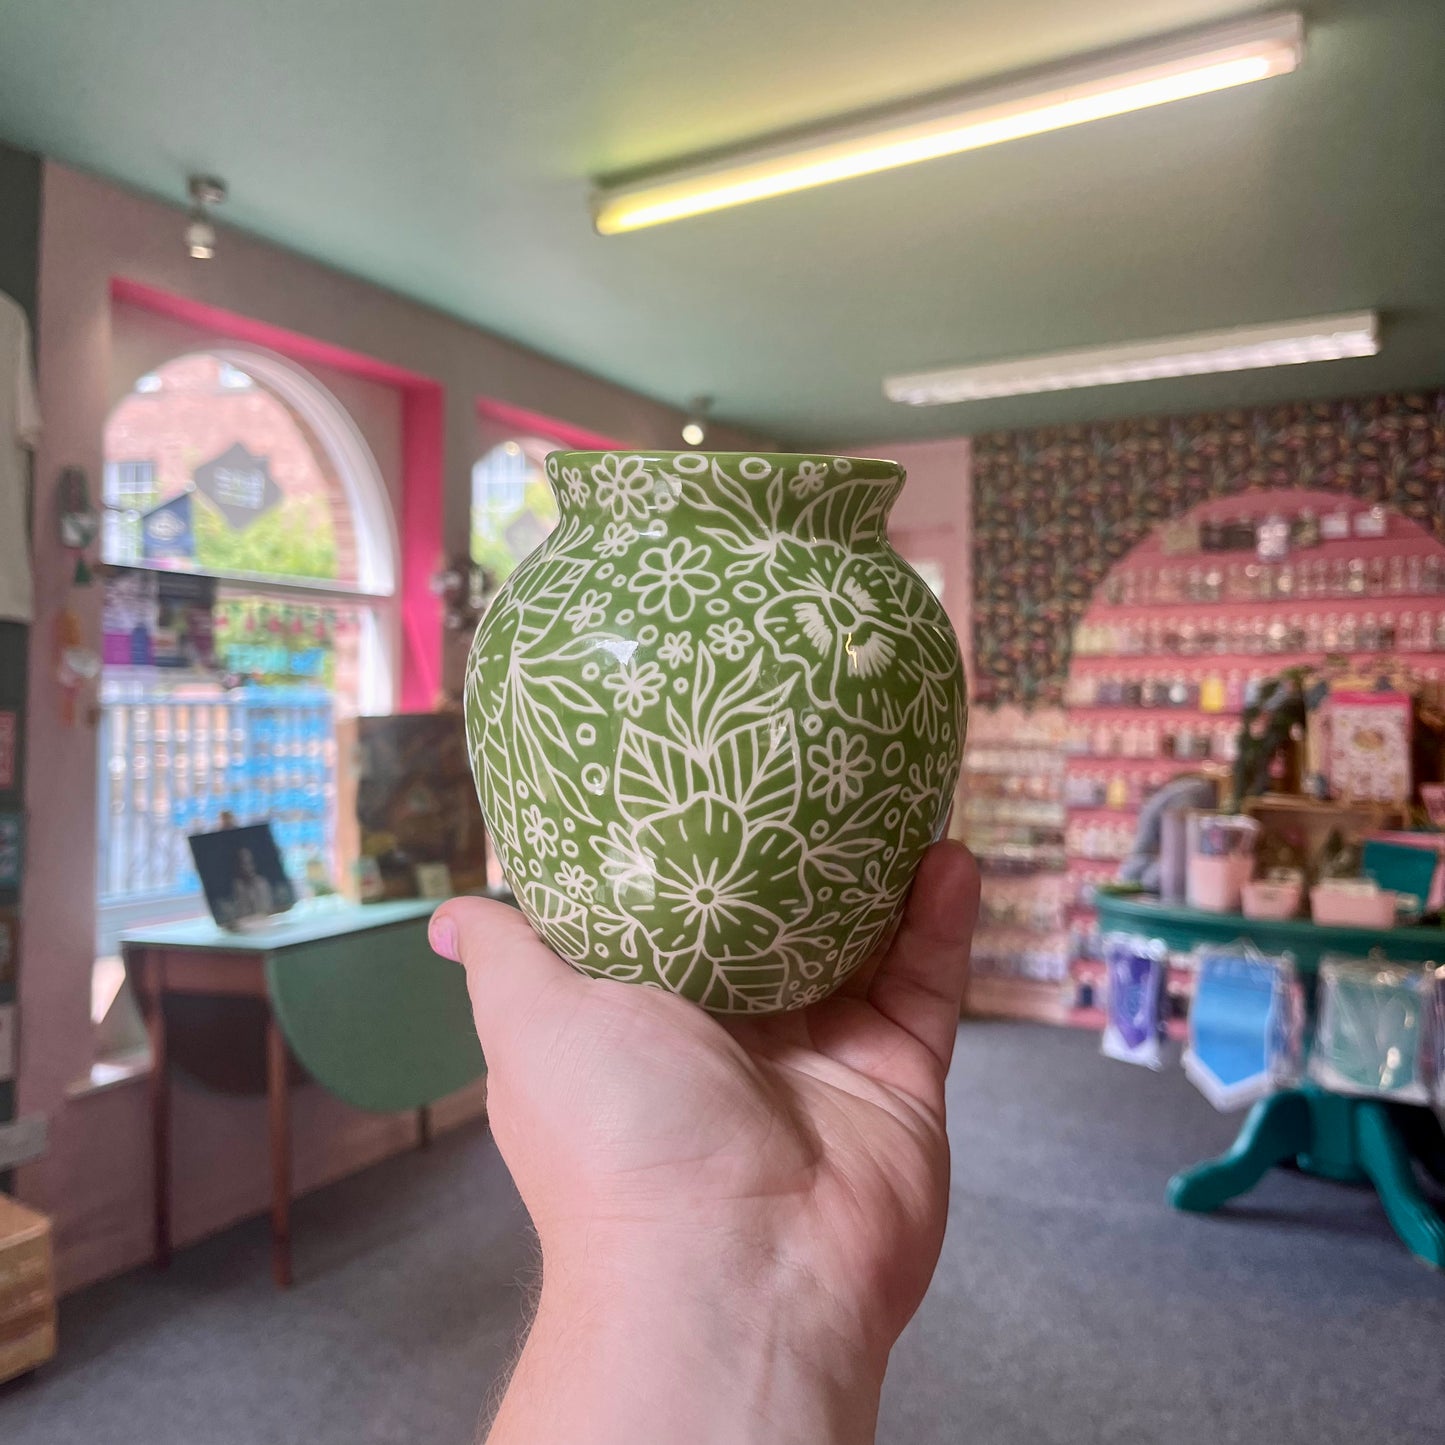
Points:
[(1147, 299)]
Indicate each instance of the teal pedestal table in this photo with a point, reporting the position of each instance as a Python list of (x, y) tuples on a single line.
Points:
[(1335, 1136), (352, 994)]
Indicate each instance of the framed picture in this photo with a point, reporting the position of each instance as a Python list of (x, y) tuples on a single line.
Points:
[(7, 1042), (12, 836), (242, 874), (9, 738), (9, 947)]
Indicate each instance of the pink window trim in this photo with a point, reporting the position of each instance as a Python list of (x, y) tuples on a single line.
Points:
[(422, 424), (523, 422)]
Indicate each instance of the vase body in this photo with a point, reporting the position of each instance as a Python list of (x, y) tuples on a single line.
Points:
[(714, 722)]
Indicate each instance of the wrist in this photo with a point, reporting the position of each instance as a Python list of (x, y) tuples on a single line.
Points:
[(718, 1346)]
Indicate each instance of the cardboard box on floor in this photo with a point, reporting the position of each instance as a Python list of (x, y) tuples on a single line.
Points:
[(27, 1290)]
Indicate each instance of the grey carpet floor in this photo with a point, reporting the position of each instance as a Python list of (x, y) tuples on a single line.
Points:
[(1071, 1304)]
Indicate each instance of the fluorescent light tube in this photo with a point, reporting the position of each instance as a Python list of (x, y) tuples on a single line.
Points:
[(1241, 348), (1125, 80)]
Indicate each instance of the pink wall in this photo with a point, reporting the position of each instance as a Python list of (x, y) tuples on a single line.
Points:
[(92, 1180), (931, 520)]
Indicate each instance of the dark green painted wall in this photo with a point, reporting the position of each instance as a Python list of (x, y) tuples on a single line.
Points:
[(19, 274)]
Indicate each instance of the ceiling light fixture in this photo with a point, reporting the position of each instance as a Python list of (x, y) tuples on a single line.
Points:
[(1241, 348), (694, 429), (200, 234), (1065, 95)]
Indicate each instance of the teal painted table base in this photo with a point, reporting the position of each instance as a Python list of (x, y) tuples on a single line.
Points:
[(1335, 1137)]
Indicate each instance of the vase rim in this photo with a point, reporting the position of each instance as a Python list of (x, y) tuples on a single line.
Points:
[(883, 464)]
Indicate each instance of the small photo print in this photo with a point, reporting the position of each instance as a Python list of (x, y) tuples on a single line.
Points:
[(433, 880), (242, 874)]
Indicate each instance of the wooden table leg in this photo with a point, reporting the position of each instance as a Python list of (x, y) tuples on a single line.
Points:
[(160, 1101), (278, 1098)]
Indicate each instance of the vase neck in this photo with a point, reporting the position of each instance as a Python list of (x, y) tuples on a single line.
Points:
[(814, 498)]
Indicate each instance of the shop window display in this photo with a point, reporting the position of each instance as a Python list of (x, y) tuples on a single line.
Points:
[(247, 606)]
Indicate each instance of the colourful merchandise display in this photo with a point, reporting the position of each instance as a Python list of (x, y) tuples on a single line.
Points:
[(1179, 636)]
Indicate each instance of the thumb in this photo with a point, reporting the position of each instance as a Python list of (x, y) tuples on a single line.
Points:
[(515, 981)]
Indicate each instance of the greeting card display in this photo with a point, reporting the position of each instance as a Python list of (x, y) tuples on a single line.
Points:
[(1367, 749)]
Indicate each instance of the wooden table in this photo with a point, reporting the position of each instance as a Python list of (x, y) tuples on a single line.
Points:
[(1345, 1137), (351, 992)]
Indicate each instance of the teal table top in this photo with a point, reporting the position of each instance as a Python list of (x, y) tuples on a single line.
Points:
[(308, 922), (366, 1006), (1184, 928)]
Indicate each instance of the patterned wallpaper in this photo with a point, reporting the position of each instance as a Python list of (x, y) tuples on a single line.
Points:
[(1054, 509)]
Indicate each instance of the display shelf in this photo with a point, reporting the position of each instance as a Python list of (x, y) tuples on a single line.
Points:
[(1091, 713), (1228, 608), (989, 996), (1117, 762), (1129, 664), (1021, 813)]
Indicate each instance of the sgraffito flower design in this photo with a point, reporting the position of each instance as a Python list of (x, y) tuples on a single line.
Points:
[(623, 486), (670, 580), (635, 686), (840, 765)]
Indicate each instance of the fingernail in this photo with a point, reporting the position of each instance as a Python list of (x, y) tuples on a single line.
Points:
[(443, 936)]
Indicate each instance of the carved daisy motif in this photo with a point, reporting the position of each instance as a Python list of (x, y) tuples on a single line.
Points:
[(616, 538), (623, 485), (671, 579), (635, 686), (840, 765)]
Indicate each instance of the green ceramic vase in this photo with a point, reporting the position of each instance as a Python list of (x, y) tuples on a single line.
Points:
[(715, 720)]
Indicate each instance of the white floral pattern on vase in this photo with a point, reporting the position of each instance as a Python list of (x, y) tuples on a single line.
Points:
[(714, 721)]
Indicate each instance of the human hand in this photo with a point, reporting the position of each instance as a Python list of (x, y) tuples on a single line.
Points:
[(754, 1202)]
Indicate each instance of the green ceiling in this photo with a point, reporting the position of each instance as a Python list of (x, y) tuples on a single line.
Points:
[(443, 148)]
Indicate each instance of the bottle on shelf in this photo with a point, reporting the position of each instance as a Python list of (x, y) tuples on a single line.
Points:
[(1211, 693)]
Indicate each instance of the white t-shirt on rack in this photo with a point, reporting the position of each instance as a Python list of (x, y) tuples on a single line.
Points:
[(19, 432)]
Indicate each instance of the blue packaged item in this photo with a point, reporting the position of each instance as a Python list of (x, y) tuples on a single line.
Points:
[(1245, 1025), (1135, 969)]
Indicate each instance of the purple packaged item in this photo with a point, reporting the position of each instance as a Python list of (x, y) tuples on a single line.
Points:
[(1135, 970)]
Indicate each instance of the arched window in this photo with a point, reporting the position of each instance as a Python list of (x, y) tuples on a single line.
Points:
[(512, 504), (250, 602)]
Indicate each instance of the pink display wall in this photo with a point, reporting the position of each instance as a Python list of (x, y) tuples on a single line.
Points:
[(93, 1178), (932, 520)]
